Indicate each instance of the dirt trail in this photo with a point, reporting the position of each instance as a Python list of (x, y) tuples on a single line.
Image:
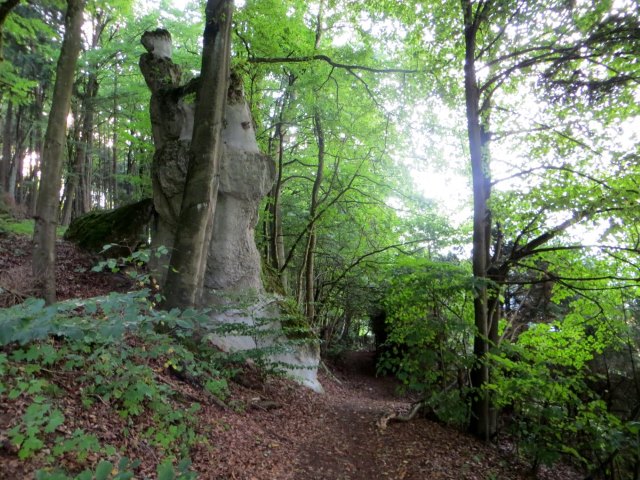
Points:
[(348, 445)]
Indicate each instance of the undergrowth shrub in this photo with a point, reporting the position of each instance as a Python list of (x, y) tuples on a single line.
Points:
[(429, 325), (543, 381), (112, 350)]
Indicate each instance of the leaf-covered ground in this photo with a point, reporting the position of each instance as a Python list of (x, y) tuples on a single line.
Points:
[(74, 277), (269, 429)]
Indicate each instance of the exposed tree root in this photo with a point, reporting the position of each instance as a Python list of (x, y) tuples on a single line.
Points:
[(9, 298), (330, 373), (398, 417)]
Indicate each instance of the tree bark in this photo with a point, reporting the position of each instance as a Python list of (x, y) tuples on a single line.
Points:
[(76, 198), (275, 238), (185, 277), (6, 149), (114, 146), (482, 422), (15, 189), (44, 236), (309, 263), (38, 142)]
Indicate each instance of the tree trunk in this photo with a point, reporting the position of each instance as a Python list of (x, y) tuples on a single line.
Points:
[(44, 236), (6, 149), (15, 173), (309, 264), (76, 202), (69, 184), (275, 238), (185, 277), (482, 422), (114, 147), (38, 142)]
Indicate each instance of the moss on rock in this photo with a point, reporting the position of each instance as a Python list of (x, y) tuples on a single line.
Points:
[(295, 325), (125, 227)]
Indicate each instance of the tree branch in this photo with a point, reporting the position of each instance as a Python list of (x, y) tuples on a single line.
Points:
[(331, 62)]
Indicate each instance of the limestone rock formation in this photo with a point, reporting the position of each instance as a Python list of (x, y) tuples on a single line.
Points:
[(232, 286)]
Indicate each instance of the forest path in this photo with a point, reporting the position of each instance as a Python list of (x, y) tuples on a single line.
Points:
[(348, 445)]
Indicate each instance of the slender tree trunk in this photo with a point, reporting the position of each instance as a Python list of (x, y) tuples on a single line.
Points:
[(15, 172), (75, 200), (275, 237), (114, 147), (482, 423), (185, 277), (44, 236), (128, 186), (309, 263), (6, 149), (309, 300), (71, 181), (38, 142), (16, 181)]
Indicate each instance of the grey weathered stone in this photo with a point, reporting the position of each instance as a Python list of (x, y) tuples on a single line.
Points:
[(246, 175)]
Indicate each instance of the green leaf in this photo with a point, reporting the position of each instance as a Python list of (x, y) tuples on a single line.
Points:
[(56, 419), (29, 446), (166, 471), (103, 470)]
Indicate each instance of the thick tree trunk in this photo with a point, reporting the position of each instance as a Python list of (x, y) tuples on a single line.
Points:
[(185, 277), (47, 207)]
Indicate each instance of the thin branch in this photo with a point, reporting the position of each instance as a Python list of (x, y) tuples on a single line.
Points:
[(313, 220), (361, 258), (560, 169), (331, 62)]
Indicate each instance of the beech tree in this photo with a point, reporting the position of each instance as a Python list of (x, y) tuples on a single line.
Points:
[(509, 61), (46, 219), (188, 260)]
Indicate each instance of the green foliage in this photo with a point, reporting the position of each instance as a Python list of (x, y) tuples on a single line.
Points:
[(23, 227), (113, 349), (544, 379), (294, 324), (429, 321), (124, 470), (38, 419), (135, 265)]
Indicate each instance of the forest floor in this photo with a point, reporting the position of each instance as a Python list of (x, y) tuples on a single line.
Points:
[(274, 429)]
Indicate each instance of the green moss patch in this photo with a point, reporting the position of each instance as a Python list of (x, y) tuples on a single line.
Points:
[(126, 227)]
